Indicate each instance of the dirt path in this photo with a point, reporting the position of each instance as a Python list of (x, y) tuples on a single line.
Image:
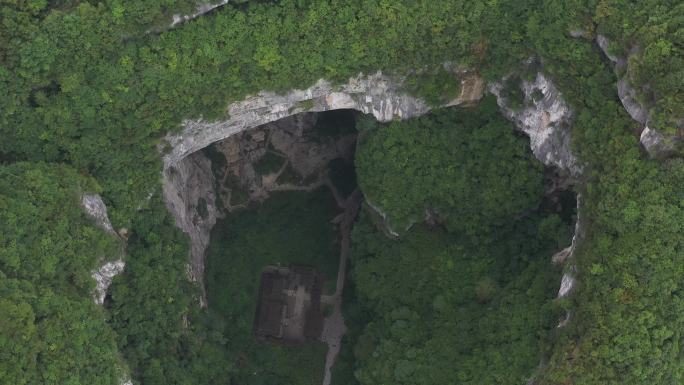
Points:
[(334, 328)]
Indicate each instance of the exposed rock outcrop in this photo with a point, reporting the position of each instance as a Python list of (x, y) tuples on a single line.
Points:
[(104, 276), (656, 144), (567, 283), (385, 220), (375, 94), (189, 195), (565, 258), (545, 120), (626, 92), (95, 208), (199, 11)]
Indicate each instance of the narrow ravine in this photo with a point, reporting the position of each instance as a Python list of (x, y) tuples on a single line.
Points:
[(334, 327)]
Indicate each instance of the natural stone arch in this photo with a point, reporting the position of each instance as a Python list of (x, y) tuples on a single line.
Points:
[(187, 175)]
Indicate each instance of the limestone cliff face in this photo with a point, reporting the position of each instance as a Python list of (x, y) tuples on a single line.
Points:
[(199, 11), (545, 120), (565, 258), (189, 195), (95, 208), (375, 94), (655, 143)]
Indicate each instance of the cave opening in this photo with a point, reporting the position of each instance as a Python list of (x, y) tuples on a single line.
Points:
[(288, 195), (290, 190)]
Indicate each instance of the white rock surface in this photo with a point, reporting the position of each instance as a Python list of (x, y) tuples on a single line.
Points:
[(545, 121), (96, 209), (374, 94), (103, 276), (201, 10), (655, 143), (567, 283)]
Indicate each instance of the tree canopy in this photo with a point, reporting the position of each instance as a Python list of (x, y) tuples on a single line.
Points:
[(51, 332), (466, 165)]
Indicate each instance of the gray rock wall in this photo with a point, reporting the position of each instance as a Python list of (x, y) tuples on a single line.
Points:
[(626, 92), (188, 184), (656, 144)]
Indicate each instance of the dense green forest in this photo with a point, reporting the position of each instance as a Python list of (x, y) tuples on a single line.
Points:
[(451, 310), (160, 330), (467, 299), (465, 165), (88, 89), (51, 332)]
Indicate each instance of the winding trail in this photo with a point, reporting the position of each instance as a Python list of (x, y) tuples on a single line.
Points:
[(334, 328)]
